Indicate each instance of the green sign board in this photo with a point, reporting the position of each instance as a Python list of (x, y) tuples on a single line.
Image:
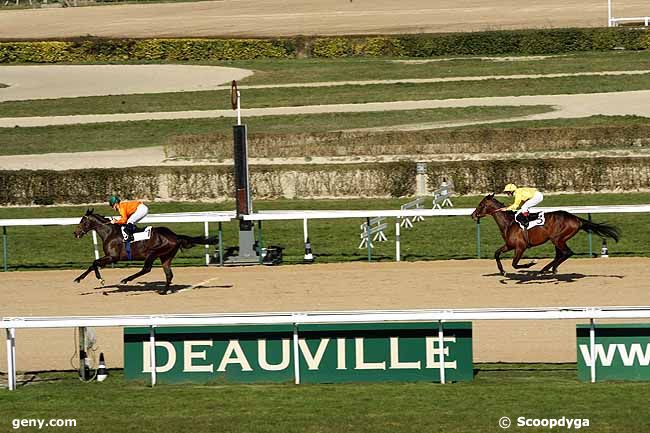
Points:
[(326, 353), (622, 352)]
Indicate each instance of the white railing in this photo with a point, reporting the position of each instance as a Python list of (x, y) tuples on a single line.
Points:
[(614, 22), (180, 217), (10, 324), (306, 215)]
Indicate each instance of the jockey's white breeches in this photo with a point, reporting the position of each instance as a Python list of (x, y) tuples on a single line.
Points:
[(531, 202), (140, 212)]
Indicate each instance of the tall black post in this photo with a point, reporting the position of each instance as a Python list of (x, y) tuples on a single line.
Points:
[(242, 190), (247, 251)]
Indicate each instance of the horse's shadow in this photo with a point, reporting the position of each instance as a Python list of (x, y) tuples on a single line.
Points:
[(160, 287), (535, 277)]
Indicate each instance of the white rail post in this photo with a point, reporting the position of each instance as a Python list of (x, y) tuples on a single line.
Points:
[(96, 245), (206, 231), (11, 359), (397, 241), (238, 108), (296, 358), (305, 231), (609, 13), (441, 346), (592, 348), (152, 354)]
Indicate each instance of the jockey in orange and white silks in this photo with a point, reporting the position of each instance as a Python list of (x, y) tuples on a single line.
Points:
[(524, 198), (130, 212)]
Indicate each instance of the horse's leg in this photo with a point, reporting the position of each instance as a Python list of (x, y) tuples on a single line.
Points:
[(166, 262), (552, 263), (519, 253), (95, 267), (565, 252), (148, 263), (497, 256), (169, 275)]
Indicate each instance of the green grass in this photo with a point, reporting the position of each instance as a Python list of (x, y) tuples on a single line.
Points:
[(332, 240), (348, 94), (531, 391), (128, 135), (281, 71)]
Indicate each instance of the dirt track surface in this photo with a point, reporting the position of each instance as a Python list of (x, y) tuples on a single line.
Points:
[(309, 17), (68, 81), (349, 286)]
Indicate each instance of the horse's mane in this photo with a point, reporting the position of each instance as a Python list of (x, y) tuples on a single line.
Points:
[(494, 200), (96, 216)]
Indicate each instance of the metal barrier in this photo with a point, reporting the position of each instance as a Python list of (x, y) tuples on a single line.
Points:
[(376, 227), (418, 203), (441, 196)]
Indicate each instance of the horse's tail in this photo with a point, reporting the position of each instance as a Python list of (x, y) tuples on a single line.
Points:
[(189, 241), (602, 230)]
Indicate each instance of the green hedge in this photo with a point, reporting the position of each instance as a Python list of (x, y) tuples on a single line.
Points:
[(102, 50), (320, 180), (424, 142), (550, 175), (523, 42), (43, 187)]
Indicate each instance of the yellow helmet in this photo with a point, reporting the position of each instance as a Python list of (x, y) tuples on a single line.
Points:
[(511, 187)]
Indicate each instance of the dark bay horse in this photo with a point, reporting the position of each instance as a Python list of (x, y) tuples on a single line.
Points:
[(560, 226), (163, 244)]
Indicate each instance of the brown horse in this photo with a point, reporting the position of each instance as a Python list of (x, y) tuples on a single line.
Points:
[(560, 226), (163, 244)]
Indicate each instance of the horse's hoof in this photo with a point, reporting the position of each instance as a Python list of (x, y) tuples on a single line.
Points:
[(77, 280), (124, 281), (504, 274), (102, 282)]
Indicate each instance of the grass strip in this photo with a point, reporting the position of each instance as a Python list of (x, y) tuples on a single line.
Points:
[(530, 391), (302, 96), (128, 135)]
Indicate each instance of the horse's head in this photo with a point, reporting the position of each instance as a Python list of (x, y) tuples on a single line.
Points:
[(88, 222), (486, 207)]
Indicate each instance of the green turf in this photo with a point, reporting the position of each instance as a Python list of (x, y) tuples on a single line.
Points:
[(531, 391), (128, 135), (332, 240), (281, 71), (347, 94)]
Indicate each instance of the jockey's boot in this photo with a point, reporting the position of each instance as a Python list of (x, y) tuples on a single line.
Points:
[(525, 220), (130, 229)]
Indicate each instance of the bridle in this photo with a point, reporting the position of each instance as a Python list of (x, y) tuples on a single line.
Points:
[(97, 223)]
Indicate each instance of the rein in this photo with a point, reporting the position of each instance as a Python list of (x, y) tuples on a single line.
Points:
[(97, 223)]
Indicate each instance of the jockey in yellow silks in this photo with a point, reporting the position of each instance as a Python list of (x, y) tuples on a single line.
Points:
[(524, 198)]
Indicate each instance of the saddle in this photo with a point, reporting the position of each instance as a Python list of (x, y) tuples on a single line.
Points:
[(138, 235), (534, 219)]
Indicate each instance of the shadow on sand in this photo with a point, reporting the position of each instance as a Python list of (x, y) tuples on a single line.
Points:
[(142, 288), (534, 277)]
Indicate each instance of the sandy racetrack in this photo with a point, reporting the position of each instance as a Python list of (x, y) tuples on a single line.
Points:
[(309, 17), (448, 284)]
